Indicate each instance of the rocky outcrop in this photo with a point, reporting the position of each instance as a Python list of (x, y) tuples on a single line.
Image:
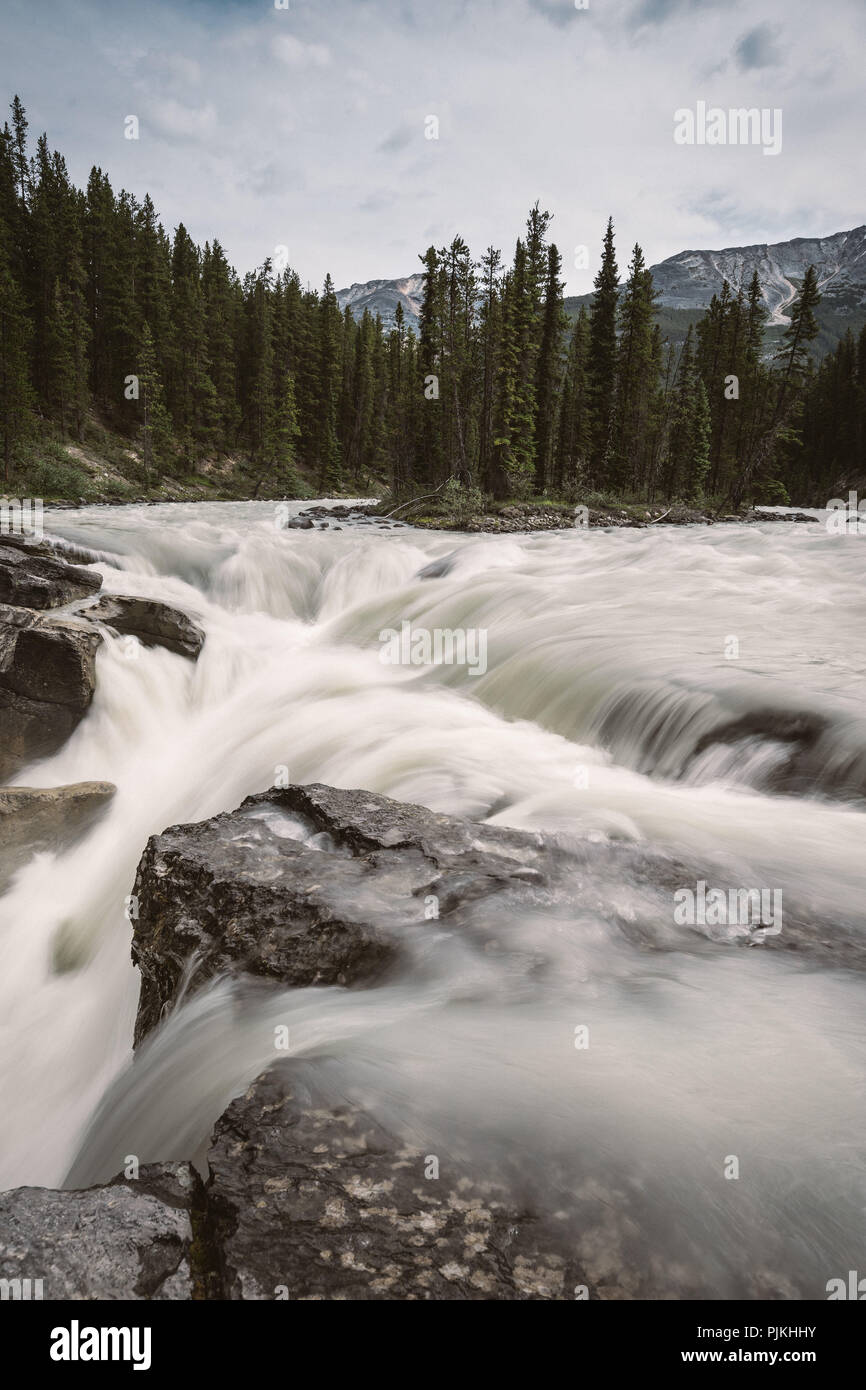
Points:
[(47, 679), (316, 1203), (154, 624), (302, 1201), (31, 577), (33, 819), (130, 1239), (312, 885)]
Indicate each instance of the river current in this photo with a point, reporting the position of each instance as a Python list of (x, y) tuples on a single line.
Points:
[(650, 686)]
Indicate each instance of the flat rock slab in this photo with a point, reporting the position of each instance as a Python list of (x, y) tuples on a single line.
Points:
[(32, 578), (47, 679), (130, 1239), (154, 624), (311, 1204)]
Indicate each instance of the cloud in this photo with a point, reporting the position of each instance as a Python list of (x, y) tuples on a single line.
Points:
[(758, 48), (178, 122), (169, 72), (658, 11), (296, 54), (559, 12), (377, 202), (399, 139)]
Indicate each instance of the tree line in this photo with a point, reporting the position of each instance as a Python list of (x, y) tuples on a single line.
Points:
[(102, 314)]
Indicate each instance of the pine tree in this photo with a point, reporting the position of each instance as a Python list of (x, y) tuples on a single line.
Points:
[(490, 329), (634, 375), (431, 448), (549, 373), (19, 150), (285, 434), (574, 430), (330, 373), (457, 357), (155, 426), (153, 287), (794, 355), (603, 354), (222, 311), (688, 446), (191, 394), (514, 443)]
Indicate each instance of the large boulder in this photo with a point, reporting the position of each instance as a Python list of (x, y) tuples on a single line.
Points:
[(31, 577), (129, 1239), (302, 1201), (47, 679), (310, 1202), (154, 624), (45, 818), (312, 885)]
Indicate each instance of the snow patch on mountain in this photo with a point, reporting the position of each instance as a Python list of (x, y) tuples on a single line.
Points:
[(690, 279)]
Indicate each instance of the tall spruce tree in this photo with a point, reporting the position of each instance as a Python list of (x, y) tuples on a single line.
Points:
[(603, 354), (548, 380), (634, 375)]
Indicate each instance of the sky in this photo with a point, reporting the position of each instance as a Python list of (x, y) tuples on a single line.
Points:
[(307, 127)]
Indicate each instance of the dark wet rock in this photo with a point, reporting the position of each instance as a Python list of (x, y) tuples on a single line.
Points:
[(310, 885), (154, 624), (340, 509), (299, 523), (316, 1203), (33, 819), (438, 569), (129, 1239), (818, 756), (32, 577), (665, 730), (758, 514), (53, 547), (47, 679)]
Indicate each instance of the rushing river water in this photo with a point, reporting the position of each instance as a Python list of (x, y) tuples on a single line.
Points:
[(641, 685)]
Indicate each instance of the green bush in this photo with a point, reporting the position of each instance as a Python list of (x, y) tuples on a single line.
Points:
[(48, 473), (462, 502)]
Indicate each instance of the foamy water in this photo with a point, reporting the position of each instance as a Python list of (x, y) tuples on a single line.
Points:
[(609, 667)]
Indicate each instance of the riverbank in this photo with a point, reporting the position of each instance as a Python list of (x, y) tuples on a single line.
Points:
[(523, 517)]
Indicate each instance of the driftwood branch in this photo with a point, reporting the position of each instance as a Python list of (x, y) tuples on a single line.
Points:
[(413, 500)]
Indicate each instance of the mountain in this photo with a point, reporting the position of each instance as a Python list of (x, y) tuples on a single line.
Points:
[(687, 282), (382, 297)]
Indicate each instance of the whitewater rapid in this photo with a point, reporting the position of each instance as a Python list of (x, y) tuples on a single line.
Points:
[(612, 659)]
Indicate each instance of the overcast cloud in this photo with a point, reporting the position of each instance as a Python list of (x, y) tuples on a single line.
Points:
[(305, 127)]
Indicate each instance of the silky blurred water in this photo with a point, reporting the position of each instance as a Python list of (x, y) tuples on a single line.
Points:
[(609, 660)]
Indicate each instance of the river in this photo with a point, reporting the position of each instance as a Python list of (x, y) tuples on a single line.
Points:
[(611, 658)]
